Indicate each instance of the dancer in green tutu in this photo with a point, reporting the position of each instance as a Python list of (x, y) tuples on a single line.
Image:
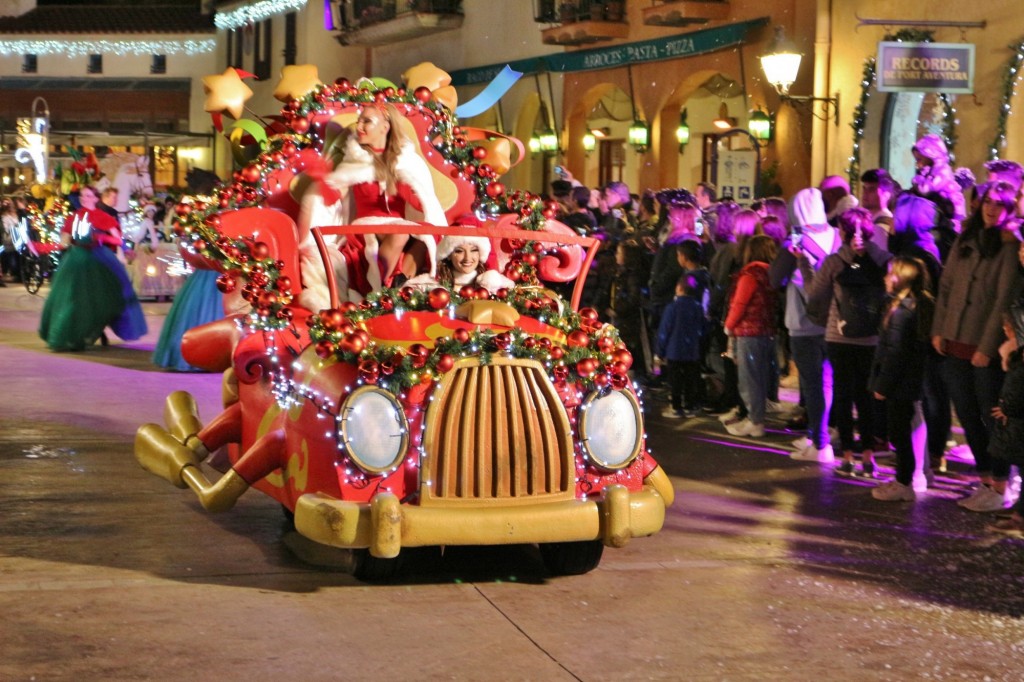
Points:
[(91, 289)]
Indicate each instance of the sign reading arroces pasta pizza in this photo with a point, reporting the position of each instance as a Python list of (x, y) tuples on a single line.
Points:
[(925, 67)]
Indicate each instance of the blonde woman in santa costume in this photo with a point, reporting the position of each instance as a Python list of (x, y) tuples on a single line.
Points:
[(382, 172), (462, 261)]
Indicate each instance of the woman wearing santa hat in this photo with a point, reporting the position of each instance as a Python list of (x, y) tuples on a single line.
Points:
[(462, 261)]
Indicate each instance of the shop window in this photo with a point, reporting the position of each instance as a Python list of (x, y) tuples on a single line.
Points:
[(290, 46), (159, 64), (95, 64), (261, 51), (29, 63)]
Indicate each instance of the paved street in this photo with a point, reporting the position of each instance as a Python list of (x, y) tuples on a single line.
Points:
[(766, 568)]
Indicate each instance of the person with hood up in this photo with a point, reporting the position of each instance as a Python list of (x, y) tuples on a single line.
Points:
[(935, 176), (814, 240), (847, 296)]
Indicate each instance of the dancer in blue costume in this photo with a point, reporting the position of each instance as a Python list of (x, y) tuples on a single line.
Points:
[(91, 289), (197, 302)]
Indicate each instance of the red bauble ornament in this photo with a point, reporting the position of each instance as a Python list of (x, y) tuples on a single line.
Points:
[(199, 245), (616, 368), (332, 318), (324, 349), (260, 251), (589, 319), (467, 291), (288, 149), (557, 353), (619, 381), (502, 294), (283, 284), (422, 94), (503, 341), (300, 125), (578, 339), (439, 298), (601, 380), (586, 367), (479, 153), (529, 343), (623, 356), (406, 293), (349, 307), (342, 83), (461, 335), (386, 303), (268, 299), (419, 353), (605, 344), (495, 190), (352, 343), (481, 294), (561, 373), (445, 363), (226, 284), (251, 174), (363, 334), (369, 371)]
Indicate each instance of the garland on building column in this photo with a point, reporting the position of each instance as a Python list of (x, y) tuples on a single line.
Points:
[(867, 82), (1009, 87)]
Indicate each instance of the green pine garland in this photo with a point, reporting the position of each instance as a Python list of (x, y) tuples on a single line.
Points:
[(867, 82), (1009, 87)]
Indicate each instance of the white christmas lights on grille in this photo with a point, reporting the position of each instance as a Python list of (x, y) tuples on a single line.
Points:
[(79, 48), (252, 13)]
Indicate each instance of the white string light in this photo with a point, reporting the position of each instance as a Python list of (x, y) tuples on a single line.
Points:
[(257, 11), (79, 48)]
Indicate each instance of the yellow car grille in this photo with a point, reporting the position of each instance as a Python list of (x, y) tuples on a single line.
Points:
[(497, 432)]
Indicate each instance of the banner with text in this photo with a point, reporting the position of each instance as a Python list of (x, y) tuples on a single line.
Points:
[(926, 67), (656, 49)]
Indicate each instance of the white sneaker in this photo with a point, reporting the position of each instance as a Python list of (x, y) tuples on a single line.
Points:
[(776, 406), (746, 428), (824, 455), (988, 500), (729, 416), (801, 443), (894, 491), (670, 413)]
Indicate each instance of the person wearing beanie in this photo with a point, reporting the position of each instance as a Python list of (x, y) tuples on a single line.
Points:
[(812, 241), (462, 261)]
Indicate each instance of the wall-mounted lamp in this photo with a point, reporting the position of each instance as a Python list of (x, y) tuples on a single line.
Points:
[(548, 141), (589, 142), (724, 121), (639, 135), (639, 132), (760, 126), (781, 64), (683, 132), (534, 144)]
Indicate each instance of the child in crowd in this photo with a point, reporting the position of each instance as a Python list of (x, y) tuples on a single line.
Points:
[(680, 334), (1007, 440), (897, 373)]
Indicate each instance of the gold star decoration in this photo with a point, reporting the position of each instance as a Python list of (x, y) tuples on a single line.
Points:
[(225, 93), (296, 81), (426, 75)]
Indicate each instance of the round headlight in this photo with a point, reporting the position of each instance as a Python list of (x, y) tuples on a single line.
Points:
[(373, 429), (610, 428)]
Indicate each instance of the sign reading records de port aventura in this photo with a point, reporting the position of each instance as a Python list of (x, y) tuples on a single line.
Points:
[(926, 67)]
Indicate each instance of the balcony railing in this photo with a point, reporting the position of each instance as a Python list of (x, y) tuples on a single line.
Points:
[(581, 22), (368, 12), (572, 11), (382, 22)]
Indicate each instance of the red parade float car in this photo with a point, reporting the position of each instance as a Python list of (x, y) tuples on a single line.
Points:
[(418, 416)]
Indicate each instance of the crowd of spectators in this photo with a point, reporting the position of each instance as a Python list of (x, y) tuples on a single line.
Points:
[(890, 310)]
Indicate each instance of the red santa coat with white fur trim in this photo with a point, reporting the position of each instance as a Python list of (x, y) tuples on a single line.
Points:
[(368, 203)]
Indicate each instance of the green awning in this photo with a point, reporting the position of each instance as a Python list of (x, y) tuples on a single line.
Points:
[(657, 49)]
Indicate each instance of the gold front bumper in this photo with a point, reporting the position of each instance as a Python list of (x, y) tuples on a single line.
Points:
[(385, 525)]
